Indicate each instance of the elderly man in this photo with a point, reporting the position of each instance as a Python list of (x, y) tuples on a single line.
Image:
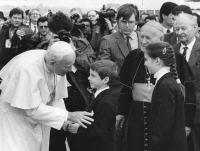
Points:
[(189, 47), (138, 83), (33, 87), (34, 14)]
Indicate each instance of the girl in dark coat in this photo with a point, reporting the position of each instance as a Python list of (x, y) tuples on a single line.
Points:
[(167, 122)]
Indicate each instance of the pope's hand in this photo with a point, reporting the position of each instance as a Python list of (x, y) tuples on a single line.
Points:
[(119, 122), (80, 118)]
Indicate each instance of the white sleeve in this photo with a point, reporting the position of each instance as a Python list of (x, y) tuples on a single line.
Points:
[(49, 115)]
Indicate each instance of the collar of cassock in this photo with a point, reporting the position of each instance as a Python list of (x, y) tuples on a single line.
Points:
[(45, 67), (161, 72)]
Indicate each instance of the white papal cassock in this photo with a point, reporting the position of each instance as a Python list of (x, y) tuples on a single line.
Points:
[(25, 117)]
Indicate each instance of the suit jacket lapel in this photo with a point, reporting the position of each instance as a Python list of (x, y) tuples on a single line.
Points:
[(177, 47), (173, 38), (99, 96), (122, 43), (138, 36), (194, 54)]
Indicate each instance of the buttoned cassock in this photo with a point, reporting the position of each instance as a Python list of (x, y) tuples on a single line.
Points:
[(133, 72), (25, 117)]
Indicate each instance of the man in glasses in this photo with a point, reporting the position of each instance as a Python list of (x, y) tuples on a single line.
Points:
[(34, 15), (116, 47), (41, 35)]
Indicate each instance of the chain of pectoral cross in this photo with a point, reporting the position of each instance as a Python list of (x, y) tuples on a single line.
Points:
[(148, 79)]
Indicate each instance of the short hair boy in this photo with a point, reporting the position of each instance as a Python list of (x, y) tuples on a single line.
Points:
[(100, 135)]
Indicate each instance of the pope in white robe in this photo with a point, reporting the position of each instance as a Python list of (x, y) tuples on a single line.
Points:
[(31, 99)]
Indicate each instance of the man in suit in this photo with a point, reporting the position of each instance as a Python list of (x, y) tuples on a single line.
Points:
[(171, 37), (34, 15), (189, 46), (115, 47), (166, 16)]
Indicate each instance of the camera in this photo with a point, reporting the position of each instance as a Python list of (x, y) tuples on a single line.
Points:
[(75, 17), (107, 14)]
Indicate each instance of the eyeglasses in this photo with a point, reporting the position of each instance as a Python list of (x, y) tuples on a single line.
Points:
[(35, 14), (125, 22), (41, 27)]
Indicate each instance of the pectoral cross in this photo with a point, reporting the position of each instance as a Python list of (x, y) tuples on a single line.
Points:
[(149, 84)]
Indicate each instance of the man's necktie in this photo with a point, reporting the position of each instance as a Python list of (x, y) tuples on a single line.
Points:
[(128, 43), (34, 29), (168, 31), (185, 51)]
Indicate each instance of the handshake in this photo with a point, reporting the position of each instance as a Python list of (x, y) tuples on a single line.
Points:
[(76, 119)]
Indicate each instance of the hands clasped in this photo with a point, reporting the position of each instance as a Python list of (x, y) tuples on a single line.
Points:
[(80, 118)]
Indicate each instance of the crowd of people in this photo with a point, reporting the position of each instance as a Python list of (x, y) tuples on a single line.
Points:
[(108, 80)]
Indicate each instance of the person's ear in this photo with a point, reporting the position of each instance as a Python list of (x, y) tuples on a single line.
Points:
[(158, 61), (106, 80), (163, 15), (52, 63)]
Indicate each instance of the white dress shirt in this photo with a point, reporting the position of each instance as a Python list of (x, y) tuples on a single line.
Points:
[(165, 29), (189, 50), (32, 26), (99, 91), (133, 40)]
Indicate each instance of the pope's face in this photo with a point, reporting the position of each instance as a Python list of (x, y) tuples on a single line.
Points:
[(63, 66)]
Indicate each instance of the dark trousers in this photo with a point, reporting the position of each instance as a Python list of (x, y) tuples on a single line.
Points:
[(119, 135), (57, 140), (196, 137)]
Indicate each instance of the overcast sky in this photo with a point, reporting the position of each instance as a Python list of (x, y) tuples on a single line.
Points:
[(85, 3)]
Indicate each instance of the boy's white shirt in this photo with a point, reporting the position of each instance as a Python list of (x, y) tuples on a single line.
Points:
[(100, 90)]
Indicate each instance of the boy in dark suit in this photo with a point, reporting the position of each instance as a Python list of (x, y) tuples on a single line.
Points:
[(100, 135)]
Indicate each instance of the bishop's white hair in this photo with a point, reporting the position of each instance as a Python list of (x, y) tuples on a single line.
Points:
[(58, 50)]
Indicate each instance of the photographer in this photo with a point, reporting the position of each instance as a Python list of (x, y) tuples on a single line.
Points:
[(75, 15), (92, 15), (111, 15), (14, 37), (102, 28), (87, 29)]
